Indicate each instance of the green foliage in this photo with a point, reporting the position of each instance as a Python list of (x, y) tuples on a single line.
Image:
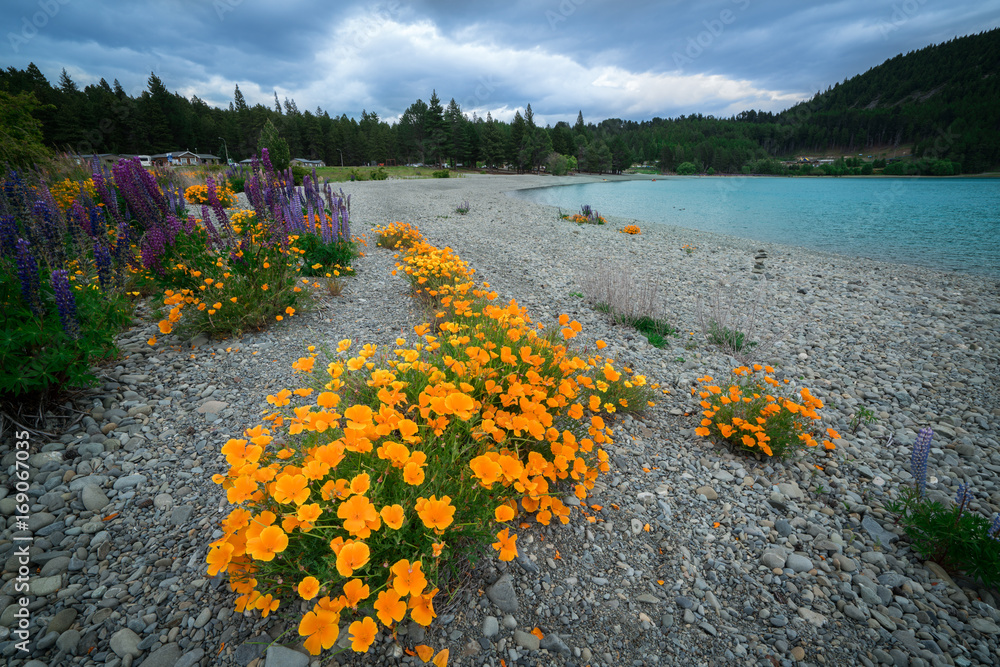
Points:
[(299, 174), (277, 148), (236, 184), (557, 164), (655, 330), (441, 173), (755, 413), (463, 208), (36, 356), (953, 537), (864, 415), (686, 169), (337, 255), (730, 339), (20, 133), (379, 174)]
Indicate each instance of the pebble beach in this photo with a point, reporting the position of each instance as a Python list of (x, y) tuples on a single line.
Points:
[(700, 556)]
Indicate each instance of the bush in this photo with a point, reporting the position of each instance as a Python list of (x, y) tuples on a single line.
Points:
[(557, 164), (320, 258), (441, 173), (63, 278), (395, 463), (753, 413), (56, 344), (379, 174), (686, 169), (196, 195), (299, 174)]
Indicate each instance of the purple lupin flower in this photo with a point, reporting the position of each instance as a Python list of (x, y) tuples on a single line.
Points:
[(8, 235), (265, 157), (918, 458), (964, 496), (27, 274), (105, 194), (994, 530), (214, 240), (103, 262), (217, 207), (66, 303)]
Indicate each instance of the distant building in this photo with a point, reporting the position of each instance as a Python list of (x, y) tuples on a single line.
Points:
[(184, 158), (103, 158), (303, 162)]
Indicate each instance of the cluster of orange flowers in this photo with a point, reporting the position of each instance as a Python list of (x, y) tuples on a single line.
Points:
[(198, 194), (397, 235), (631, 229), (751, 414), (65, 192), (582, 219), (488, 413)]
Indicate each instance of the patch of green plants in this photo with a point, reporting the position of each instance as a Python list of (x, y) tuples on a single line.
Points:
[(463, 208), (864, 415), (319, 257), (379, 174), (956, 538), (722, 336), (441, 173), (52, 348), (578, 295)]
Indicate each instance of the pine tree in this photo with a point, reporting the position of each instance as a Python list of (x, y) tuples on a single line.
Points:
[(277, 148)]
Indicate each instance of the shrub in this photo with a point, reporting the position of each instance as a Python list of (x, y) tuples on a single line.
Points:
[(395, 462), (557, 164), (441, 173), (631, 302), (737, 322), (686, 169), (63, 278), (753, 413), (379, 174), (298, 174), (239, 272), (954, 537)]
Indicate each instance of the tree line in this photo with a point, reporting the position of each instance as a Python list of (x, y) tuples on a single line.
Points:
[(943, 100)]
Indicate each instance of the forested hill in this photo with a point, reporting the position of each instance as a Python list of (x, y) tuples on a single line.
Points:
[(943, 98), (943, 101)]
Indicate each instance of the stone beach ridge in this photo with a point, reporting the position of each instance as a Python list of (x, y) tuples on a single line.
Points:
[(744, 562)]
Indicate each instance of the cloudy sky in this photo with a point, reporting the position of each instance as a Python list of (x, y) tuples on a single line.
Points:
[(631, 59)]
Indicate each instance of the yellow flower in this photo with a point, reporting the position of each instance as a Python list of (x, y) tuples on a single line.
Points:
[(308, 588)]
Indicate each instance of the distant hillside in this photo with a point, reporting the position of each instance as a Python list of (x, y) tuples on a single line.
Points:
[(945, 99)]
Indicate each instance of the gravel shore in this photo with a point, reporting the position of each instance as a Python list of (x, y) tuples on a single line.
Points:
[(744, 562)]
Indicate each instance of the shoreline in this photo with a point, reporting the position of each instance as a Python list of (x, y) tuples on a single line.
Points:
[(621, 220)]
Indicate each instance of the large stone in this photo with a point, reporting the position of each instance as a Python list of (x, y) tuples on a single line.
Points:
[(526, 640), (62, 621), (129, 481), (41, 586), (707, 491), (490, 626), (985, 626), (94, 499), (165, 656), (798, 563), (878, 533), (502, 594), (773, 559), (212, 407), (816, 619), (279, 656), (790, 490), (125, 642), (68, 642)]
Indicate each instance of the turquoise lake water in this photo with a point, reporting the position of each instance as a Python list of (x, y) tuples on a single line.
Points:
[(944, 223)]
